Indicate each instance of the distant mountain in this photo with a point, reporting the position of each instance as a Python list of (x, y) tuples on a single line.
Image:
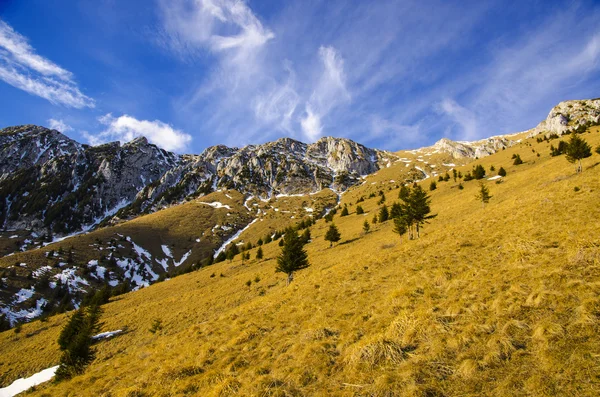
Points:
[(52, 184)]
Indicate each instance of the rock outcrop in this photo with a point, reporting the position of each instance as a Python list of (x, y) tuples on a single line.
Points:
[(569, 116)]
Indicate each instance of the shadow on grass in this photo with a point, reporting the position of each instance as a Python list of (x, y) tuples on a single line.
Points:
[(349, 241)]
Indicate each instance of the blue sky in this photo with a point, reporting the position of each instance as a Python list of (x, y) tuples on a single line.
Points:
[(189, 74)]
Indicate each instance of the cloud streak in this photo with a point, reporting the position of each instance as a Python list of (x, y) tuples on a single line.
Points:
[(22, 68)]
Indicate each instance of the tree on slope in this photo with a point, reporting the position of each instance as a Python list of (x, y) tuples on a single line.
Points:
[(400, 226), (293, 257), (333, 235), (419, 207), (577, 149), (483, 194), (75, 341)]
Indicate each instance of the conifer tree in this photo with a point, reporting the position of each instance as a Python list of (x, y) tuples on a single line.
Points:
[(259, 242), (268, 239), (366, 227), (577, 149), (404, 193), (344, 211), (384, 214), (502, 171), (333, 235), (454, 174), (259, 253), (293, 257), (305, 238), (75, 341), (359, 210), (517, 158), (396, 211), (433, 185), (418, 209), (483, 194), (400, 226), (478, 172), (374, 220), (598, 149)]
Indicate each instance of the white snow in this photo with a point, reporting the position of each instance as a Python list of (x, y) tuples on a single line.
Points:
[(216, 204), (308, 209), (494, 178), (234, 237), (183, 258), (166, 250), (106, 335), (20, 385), (23, 295), (69, 278)]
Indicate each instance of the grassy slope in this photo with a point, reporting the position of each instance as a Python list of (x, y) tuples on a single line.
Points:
[(496, 301)]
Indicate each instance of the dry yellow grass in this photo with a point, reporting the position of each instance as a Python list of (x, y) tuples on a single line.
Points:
[(498, 301)]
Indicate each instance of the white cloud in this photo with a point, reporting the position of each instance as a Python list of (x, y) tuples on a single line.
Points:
[(59, 125), (126, 128), (329, 92), (22, 68), (462, 116), (311, 124)]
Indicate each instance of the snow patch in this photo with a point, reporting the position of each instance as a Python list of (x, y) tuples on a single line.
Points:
[(22, 384), (494, 178), (232, 238), (216, 204), (106, 335)]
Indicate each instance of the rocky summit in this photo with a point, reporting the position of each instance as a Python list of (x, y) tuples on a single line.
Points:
[(52, 184)]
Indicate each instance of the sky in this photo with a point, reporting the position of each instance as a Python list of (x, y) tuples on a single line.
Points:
[(189, 74)]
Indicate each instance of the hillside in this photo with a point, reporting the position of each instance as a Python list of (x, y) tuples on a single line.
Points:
[(501, 300)]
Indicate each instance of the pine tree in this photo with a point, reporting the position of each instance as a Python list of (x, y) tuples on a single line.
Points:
[(259, 242), (305, 238), (259, 253), (268, 239), (293, 257), (400, 226), (517, 159), (433, 185), (344, 211), (577, 149), (404, 193), (502, 171), (374, 220), (359, 210), (396, 211), (75, 341), (333, 235), (454, 174), (598, 149), (483, 194), (366, 227), (384, 214), (418, 209), (478, 172)]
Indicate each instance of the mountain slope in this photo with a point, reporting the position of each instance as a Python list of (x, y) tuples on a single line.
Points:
[(495, 301)]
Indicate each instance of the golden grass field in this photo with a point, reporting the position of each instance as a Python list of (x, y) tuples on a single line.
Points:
[(495, 301)]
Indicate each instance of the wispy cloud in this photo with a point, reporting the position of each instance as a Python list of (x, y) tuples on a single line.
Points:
[(330, 92), (59, 125), (22, 68), (126, 128)]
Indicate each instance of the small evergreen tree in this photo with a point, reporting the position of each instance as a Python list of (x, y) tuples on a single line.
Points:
[(517, 160), (384, 214), (281, 243), (404, 193), (268, 239), (359, 210), (374, 220), (577, 149), (259, 253), (305, 238), (598, 149), (400, 226), (333, 235), (483, 194), (366, 227), (478, 172), (220, 257), (433, 185), (344, 211), (446, 177), (502, 172), (396, 211), (293, 257), (259, 242), (454, 174)]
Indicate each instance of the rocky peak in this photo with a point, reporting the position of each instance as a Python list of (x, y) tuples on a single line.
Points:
[(569, 116)]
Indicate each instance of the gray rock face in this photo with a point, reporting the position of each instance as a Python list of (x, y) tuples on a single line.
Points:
[(51, 182), (476, 149), (569, 116)]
